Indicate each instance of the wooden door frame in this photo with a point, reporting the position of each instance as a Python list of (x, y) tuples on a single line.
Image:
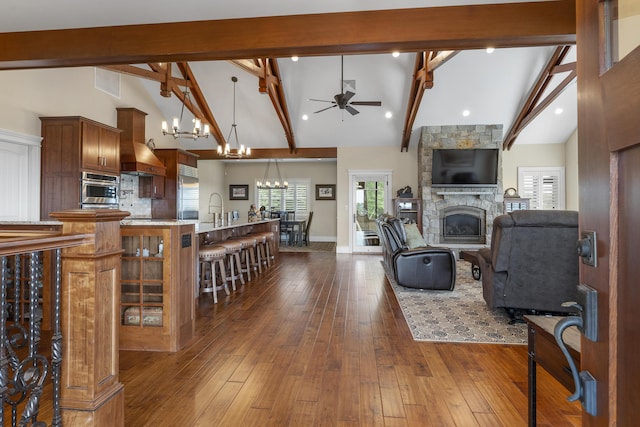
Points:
[(606, 108)]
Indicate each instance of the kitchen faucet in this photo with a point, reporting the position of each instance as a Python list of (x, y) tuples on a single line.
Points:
[(212, 207)]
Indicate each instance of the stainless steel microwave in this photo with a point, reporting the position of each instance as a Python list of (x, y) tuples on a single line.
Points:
[(99, 190)]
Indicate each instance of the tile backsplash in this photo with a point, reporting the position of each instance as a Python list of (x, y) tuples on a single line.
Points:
[(129, 200)]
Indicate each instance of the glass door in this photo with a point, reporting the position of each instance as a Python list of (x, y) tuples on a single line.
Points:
[(369, 197)]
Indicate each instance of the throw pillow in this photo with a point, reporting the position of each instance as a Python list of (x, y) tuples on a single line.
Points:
[(414, 238)]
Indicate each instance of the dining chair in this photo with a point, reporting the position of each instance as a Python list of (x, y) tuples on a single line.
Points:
[(305, 233)]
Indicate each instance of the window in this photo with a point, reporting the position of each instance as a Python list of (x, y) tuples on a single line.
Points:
[(294, 198), (543, 185)]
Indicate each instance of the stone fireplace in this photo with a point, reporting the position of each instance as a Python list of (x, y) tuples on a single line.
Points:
[(458, 217)]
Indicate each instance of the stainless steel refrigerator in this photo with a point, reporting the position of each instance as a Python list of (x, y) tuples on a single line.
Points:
[(188, 196)]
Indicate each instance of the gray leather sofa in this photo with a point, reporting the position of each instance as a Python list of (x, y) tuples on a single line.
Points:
[(420, 267), (532, 264)]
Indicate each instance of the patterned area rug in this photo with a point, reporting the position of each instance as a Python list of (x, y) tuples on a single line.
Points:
[(313, 247), (457, 316)]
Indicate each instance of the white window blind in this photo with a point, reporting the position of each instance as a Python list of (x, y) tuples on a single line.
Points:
[(543, 185), (294, 198)]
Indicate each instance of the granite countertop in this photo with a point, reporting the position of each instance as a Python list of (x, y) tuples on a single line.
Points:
[(205, 227), (158, 222), (48, 222), (200, 226)]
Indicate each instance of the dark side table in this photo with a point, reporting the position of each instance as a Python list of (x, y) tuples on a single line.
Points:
[(544, 351), (472, 257)]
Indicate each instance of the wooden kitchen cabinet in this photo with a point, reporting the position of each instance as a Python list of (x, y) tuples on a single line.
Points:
[(71, 145), (100, 148), (167, 206), (157, 302), (151, 187)]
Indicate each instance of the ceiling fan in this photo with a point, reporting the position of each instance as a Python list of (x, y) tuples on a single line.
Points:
[(342, 99)]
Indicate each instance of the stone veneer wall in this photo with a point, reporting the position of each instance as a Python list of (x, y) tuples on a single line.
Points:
[(461, 137)]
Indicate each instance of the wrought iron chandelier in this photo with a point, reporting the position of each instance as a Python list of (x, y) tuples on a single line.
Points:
[(278, 183), (240, 151), (177, 132)]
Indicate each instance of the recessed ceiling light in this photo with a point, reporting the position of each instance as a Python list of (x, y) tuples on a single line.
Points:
[(558, 110), (490, 49), (305, 117), (388, 114), (466, 113), (395, 54), (294, 58)]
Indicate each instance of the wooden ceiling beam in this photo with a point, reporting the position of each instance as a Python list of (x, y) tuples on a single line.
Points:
[(275, 153), (269, 82), (205, 112), (378, 31), (425, 64), (535, 103), (273, 84), (134, 71), (251, 66)]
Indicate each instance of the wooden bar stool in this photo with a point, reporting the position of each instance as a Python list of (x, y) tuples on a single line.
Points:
[(261, 251), (232, 260), (268, 247), (248, 255), (210, 257)]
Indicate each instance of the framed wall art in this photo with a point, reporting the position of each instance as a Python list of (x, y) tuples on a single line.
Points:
[(325, 192), (238, 192)]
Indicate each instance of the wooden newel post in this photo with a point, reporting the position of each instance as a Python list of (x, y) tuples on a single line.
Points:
[(91, 392)]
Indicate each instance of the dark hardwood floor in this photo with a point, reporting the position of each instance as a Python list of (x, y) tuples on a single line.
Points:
[(319, 340)]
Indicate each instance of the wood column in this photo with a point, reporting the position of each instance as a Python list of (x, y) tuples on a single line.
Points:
[(91, 392)]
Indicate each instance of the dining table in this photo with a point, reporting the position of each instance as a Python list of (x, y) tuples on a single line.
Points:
[(297, 228)]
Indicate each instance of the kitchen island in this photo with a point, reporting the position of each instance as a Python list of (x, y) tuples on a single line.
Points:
[(158, 283), (157, 308)]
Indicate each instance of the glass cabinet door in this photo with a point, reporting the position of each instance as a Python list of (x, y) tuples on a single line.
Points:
[(143, 279)]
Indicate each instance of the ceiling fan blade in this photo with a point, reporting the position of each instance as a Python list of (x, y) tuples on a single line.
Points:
[(369, 103), (352, 110), (319, 100), (320, 111), (347, 96)]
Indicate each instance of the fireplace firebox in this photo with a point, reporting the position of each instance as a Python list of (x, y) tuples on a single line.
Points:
[(463, 224)]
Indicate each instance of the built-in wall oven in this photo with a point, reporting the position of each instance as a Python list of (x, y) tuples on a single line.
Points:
[(99, 191)]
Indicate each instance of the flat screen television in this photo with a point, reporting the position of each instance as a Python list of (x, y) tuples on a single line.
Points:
[(465, 168)]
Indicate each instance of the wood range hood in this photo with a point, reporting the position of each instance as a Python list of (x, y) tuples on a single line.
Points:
[(135, 157)]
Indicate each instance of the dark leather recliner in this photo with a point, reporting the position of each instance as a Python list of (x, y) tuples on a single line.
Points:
[(422, 268), (532, 263)]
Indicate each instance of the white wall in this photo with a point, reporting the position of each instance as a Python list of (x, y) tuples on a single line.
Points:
[(545, 155), (323, 226), (404, 167), (30, 94), (211, 178), (571, 172)]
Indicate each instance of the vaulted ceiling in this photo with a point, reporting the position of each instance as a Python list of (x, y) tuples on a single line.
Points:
[(441, 71)]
